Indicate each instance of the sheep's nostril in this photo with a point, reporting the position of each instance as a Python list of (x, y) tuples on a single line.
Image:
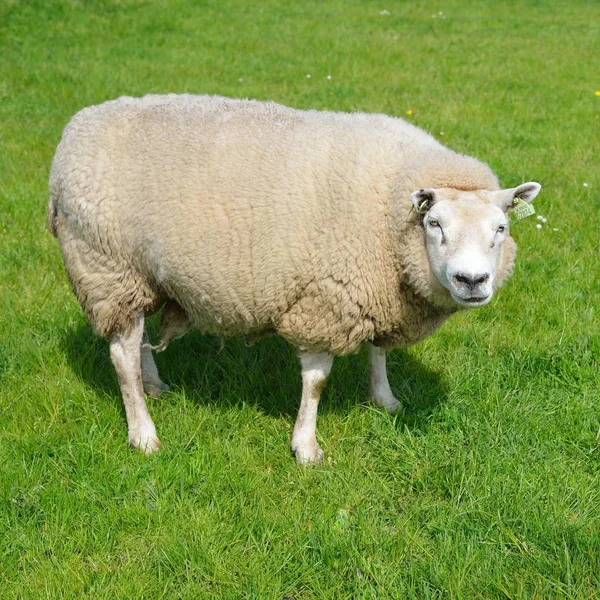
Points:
[(470, 281)]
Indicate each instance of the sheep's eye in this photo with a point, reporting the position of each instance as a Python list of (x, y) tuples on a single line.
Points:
[(501, 229), (434, 223)]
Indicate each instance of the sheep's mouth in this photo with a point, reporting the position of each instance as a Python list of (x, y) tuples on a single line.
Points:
[(473, 301)]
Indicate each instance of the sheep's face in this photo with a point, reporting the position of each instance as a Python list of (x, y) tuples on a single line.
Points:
[(465, 235)]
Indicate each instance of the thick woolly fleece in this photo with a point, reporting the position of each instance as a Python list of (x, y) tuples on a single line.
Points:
[(253, 217)]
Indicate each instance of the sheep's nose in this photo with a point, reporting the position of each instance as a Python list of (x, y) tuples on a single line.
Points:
[(470, 280)]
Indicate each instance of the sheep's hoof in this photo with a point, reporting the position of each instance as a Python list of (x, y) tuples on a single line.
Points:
[(308, 454), (394, 408), (155, 388), (146, 443), (391, 405)]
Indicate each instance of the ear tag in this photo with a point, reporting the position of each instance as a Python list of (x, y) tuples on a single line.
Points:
[(423, 207), (522, 209)]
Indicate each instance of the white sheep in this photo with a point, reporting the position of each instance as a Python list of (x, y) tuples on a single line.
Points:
[(333, 230)]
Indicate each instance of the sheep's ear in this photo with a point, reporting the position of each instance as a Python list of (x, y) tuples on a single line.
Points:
[(507, 199), (423, 200)]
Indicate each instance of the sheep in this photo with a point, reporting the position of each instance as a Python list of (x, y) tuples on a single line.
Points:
[(245, 218)]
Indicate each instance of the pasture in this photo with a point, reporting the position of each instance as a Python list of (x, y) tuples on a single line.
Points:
[(487, 487)]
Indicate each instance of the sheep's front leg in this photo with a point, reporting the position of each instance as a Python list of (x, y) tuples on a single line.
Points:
[(125, 353), (380, 391), (153, 386), (315, 369)]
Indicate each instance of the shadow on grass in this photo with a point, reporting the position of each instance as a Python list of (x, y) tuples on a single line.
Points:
[(265, 375)]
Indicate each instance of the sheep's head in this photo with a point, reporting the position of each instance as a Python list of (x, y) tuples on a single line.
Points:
[(469, 249)]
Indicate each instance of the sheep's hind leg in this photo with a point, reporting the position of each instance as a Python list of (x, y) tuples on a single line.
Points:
[(380, 391), (126, 356), (315, 369), (153, 386)]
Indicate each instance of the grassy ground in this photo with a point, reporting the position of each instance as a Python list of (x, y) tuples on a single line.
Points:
[(487, 488)]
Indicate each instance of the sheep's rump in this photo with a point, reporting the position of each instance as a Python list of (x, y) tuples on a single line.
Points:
[(238, 210)]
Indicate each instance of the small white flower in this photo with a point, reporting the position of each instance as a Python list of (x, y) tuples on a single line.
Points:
[(308, 76), (384, 13), (329, 77), (441, 133), (544, 220), (585, 184), (538, 226), (555, 229), (240, 79), (539, 217)]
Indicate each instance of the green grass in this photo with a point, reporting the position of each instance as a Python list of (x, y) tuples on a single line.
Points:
[(489, 486)]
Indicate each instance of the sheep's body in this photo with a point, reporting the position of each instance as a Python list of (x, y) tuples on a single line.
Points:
[(253, 217)]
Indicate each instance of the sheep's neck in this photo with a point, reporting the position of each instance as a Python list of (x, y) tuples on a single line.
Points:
[(421, 304)]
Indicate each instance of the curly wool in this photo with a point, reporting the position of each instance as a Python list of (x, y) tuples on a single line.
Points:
[(251, 217)]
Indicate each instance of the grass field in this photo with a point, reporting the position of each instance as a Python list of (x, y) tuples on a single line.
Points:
[(488, 487)]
